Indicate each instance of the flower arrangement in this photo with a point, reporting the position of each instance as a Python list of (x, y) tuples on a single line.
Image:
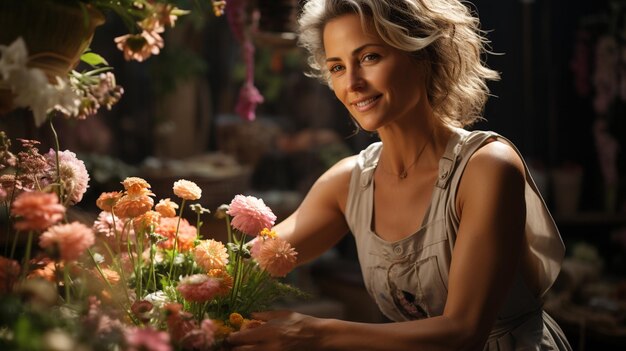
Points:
[(140, 277), (81, 94)]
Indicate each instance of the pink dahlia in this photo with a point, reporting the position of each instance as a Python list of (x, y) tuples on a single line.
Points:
[(68, 240), (103, 228), (201, 338), (179, 322), (74, 176), (211, 254), (147, 339), (198, 287), (276, 256), (250, 215), (186, 233), (37, 210), (187, 190), (166, 207)]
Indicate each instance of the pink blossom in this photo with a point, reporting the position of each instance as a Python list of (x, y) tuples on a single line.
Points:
[(198, 287), (147, 339), (179, 323), (276, 256), (103, 229), (211, 254), (250, 215), (200, 338), (74, 176), (69, 241), (37, 210), (249, 98)]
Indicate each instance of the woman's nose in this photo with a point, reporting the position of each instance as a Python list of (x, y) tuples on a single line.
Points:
[(355, 80)]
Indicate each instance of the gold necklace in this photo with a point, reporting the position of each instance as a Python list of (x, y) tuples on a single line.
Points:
[(402, 175)]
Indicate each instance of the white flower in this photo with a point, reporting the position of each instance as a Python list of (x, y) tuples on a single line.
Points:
[(68, 100), (13, 57), (31, 86), (157, 298)]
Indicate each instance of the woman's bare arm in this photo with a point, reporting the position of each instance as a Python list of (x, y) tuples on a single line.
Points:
[(485, 258), (319, 222)]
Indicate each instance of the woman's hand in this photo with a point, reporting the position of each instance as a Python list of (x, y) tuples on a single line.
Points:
[(282, 330)]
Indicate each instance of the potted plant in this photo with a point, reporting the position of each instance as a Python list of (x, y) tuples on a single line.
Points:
[(54, 35)]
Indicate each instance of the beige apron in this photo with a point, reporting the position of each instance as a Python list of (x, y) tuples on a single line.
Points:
[(408, 279)]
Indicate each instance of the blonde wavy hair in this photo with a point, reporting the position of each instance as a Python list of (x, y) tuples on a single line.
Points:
[(443, 33)]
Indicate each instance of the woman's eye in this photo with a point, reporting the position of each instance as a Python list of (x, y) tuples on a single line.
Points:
[(335, 68), (370, 57)]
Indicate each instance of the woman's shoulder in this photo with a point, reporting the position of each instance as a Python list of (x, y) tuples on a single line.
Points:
[(495, 164)]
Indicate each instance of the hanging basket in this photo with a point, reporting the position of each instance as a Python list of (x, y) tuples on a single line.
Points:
[(56, 35)]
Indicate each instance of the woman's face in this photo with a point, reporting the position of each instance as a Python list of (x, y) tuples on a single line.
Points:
[(377, 83)]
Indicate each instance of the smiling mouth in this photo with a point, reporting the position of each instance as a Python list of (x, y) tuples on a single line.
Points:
[(365, 104)]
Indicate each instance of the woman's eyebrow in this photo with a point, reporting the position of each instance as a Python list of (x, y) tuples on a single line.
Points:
[(354, 52)]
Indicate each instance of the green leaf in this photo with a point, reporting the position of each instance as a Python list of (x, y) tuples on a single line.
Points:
[(93, 59)]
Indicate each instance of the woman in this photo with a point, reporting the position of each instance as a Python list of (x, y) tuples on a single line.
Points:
[(454, 240)]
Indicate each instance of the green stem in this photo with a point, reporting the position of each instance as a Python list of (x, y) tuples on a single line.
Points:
[(236, 274), (8, 230), (14, 244), (29, 244), (180, 215), (119, 268), (66, 282), (57, 149)]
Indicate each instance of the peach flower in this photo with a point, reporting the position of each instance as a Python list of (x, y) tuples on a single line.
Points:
[(187, 190), (276, 256), (136, 186), (225, 279), (37, 210), (106, 201), (211, 254), (186, 234), (45, 269), (130, 206), (139, 47), (147, 221), (198, 287), (68, 240), (166, 207), (107, 273), (250, 215), (9, 272)]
